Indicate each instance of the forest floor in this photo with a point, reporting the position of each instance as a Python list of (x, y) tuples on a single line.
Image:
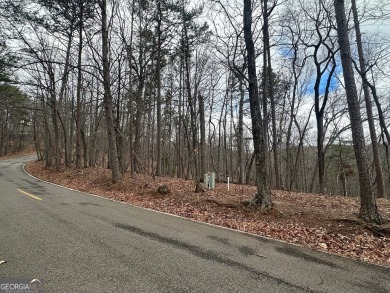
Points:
[(27, 151), (326, 223)]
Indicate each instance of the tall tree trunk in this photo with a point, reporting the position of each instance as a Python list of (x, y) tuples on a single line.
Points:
[(263, 196), (375, 150), (265, 83), (320, 110), (180, 167), (129, 49), (225, 150), (85, 149), (107, 98), (117, 123), (138, 122), (270, 92), (240, 134), (55, 114), (202, 126), (320, 149), (78, 92), (158, 81), (368, 207), (191, 102), (61, 95), (93, 126), (47, 138)]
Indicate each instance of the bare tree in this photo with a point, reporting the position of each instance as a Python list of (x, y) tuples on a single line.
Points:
[(263, 196), (368, 207), (367, 97), (108, 103)]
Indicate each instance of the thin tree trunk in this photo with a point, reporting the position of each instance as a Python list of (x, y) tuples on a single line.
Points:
[(194, 151), (202, 125), (249, 168), (55, 112), (47, 140), (320, 150), (275, 146), (240, 134), (61, 95)]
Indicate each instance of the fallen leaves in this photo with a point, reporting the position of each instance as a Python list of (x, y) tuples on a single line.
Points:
[(326, 223), (27, 151)]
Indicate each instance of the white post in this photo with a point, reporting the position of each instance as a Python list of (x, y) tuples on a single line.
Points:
[(212, 180), (206, 180), (228, 183)]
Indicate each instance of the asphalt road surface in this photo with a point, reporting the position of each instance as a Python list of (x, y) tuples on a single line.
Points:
[(80, 243)]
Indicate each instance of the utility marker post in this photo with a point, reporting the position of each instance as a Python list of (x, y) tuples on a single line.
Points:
[(206, 180), (212, 180)]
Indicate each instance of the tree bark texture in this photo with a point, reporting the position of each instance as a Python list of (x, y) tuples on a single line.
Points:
[(263, 196), (108, 102), (375, 150), (368, 206)]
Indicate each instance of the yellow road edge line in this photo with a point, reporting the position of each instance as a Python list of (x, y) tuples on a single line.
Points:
[(29, 194)]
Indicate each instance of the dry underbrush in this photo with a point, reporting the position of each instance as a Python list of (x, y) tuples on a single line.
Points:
[(327, 223)]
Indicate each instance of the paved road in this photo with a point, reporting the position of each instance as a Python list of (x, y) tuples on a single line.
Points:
[(81, 243)]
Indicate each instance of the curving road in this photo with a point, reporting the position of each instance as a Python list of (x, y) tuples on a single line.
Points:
[(80, 243)]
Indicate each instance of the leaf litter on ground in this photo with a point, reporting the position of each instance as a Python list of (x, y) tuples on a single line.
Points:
[(321, 222)]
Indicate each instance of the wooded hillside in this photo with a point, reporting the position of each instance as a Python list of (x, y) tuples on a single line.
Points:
[(288, 95)]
